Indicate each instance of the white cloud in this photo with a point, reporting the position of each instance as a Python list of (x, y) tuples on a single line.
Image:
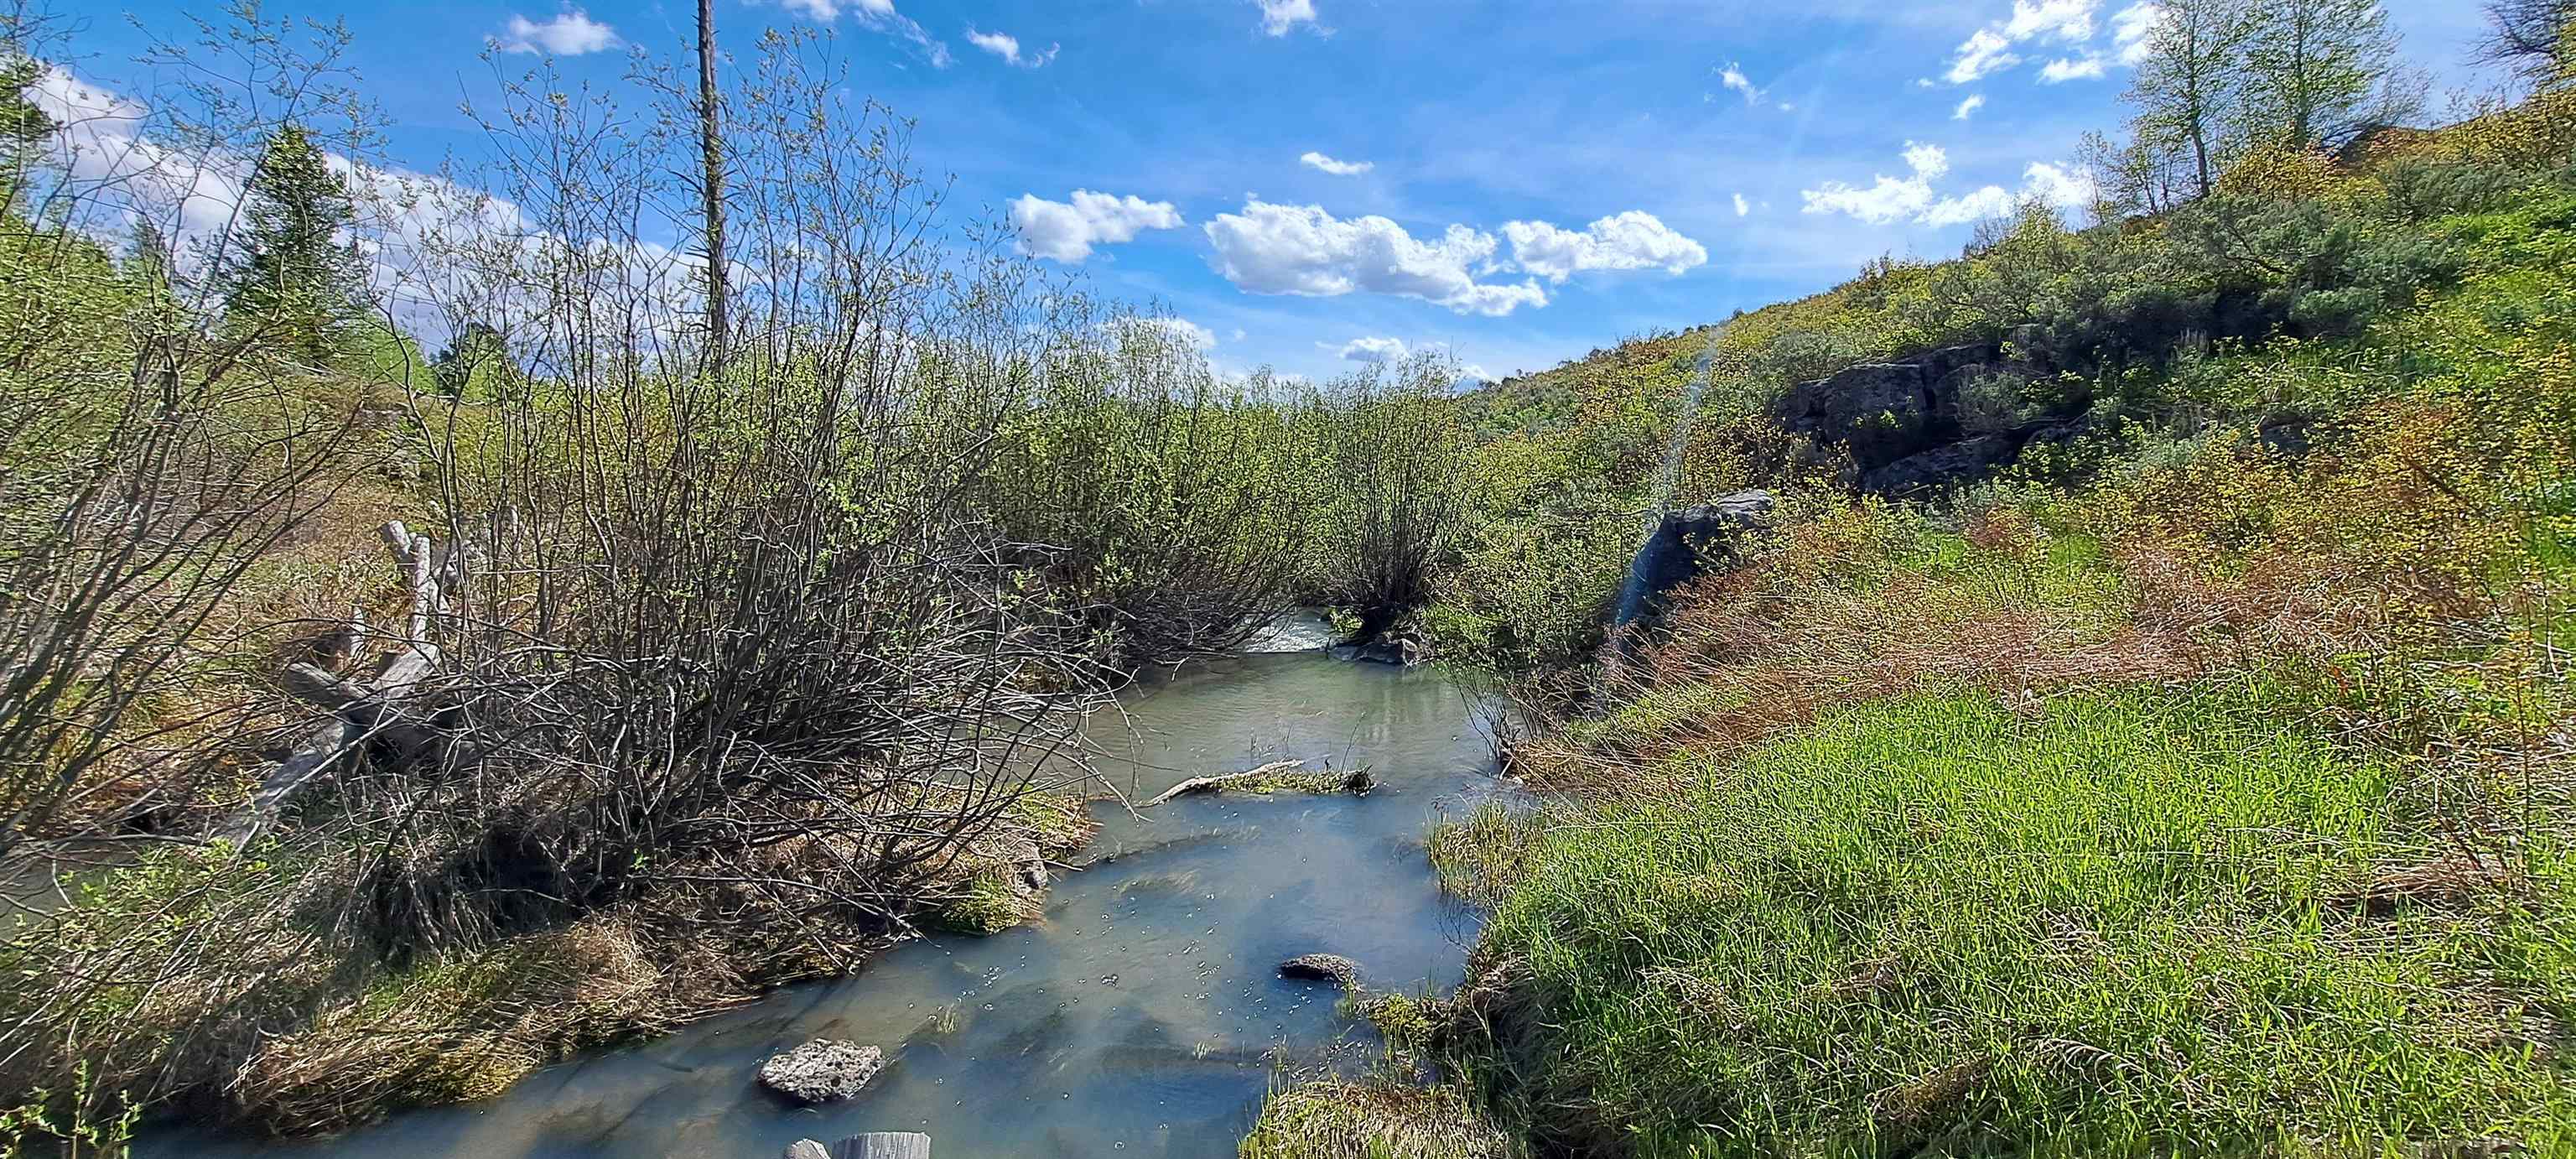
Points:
[(571, 33), (2087, 67), (1633, 240), (880, 16), (1891, 198), (1912, 198), (1067, 231), (1182, 331), (1281, 17), (1470, 372), (1968, 108), (1303, 250), (1741, 206), (1987, 51), (119, 178), (1732, 76), (1990, 49), (1007, 47), (2058, 186), (1379, 350), (1314, 160), (1989, 201), (2130, 28), (2070, 21)]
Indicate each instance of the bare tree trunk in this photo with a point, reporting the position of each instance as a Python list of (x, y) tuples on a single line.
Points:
[(711, 150)]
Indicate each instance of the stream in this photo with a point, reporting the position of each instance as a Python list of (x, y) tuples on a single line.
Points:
[(1141, 1016)]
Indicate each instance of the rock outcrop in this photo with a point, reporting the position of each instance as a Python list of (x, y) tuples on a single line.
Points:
[(822, 1071), (1685, 543), (1902, 422)]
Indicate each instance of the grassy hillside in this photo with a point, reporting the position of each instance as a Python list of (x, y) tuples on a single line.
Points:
[(2199, 790)]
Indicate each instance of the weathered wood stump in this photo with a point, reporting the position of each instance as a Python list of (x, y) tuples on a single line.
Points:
[(879, 1145)]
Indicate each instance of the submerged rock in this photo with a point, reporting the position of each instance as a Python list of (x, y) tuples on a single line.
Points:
[(1332, 968), (822, 1071)]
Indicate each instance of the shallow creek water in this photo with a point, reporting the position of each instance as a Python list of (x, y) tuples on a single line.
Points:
[(1140, 1017)]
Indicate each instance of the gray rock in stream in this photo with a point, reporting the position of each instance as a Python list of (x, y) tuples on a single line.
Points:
[(1332, 968), (822, 1071)]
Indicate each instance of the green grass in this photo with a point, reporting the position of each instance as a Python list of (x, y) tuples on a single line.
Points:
[(2121, 925)]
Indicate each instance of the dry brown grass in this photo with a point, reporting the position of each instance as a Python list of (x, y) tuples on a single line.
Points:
[(1772, 646)]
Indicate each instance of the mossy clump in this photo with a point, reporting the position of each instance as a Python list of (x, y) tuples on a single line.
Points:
[(1357, 782), (988, 904), (1377, 1119)]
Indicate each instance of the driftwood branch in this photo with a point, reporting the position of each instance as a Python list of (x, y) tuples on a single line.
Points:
[(361, 711), (1217, 784)]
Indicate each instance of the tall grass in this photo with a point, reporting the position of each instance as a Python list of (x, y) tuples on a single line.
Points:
[(2114, 921)]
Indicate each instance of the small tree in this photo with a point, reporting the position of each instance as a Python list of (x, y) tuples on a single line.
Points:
[(293, 286), (2189, 93), (2533, 36), (2320, 72), (477, 356)]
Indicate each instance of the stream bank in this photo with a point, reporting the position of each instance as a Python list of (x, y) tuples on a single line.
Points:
[(1141, 1014)]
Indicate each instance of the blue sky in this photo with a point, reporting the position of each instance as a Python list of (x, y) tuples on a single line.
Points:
[(1462, 151)]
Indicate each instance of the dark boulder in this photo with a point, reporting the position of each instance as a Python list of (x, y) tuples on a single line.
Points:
[(1879, 411), (1683, 545), (1332, 968), (1401, 646), (2287, 437), (1941, 468)]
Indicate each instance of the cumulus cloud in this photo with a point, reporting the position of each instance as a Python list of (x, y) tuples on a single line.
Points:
[(1989, 50), (1732, 76), (2070, 21), (1314, 160), (120, 178), (1007, 47), (1742, 206), (1379, 350), (1985, 51), (2060, 71), (1912, 198), (880, 16), (2059, 186), (1987, 201), (1067, 231), (1281, 17), (571, 33), (1968, 108), (1305, 251), (2130, 28), (1891, 198), (1634, 240)]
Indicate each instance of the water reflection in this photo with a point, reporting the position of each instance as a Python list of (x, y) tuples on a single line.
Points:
[(1141, 1016)]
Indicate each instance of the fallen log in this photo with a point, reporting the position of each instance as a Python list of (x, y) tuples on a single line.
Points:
[(361, 712), (1279, 774)]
